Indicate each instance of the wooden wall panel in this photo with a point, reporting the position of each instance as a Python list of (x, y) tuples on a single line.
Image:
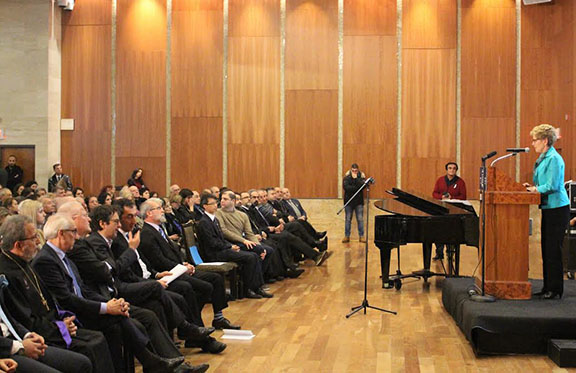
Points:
[(480, 136), (429, 24), (196, 152), (196, 98), (312, 143), (370, 17), (89, 12), (197, 58), (254, 18), (369, 112), (254, 95), (428, 115), (488, 84), (141, 91), (429, 36), (311, 44), (86, 69), (489, 72), (547, 78)]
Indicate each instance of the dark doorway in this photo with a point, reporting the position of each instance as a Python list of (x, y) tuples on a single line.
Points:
[(25, 158)]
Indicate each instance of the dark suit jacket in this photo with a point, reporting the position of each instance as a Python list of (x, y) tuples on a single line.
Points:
[(91, 259), (52, 182), (291, 210), (50, 268), (160, 253), (133, 272), (211, 240)]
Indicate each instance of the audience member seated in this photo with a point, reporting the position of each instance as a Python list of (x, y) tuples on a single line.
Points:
[(218, 249), (32, 305)]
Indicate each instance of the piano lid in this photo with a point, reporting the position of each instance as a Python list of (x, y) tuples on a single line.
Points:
[(419, 205)]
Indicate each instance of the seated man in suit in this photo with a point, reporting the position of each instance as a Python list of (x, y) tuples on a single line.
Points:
[(29, 349), (218, 249), (296, 212), (145, 335), (275, 231), (98, 267), (163, 255), (32, 305), (236, 229)]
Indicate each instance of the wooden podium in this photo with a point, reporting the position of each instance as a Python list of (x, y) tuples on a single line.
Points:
[(507, 232)]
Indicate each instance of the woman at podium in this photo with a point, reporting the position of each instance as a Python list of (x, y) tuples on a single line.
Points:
[(549, 182)]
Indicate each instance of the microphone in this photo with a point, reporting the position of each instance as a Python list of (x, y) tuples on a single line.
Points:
[(518, 150), (489, 155), (369, 180)]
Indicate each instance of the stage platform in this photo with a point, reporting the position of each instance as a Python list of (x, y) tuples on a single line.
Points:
[(511, 326)]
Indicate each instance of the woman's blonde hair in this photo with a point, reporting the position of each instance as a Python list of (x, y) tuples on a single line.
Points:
[(545, 131), (30, 208)]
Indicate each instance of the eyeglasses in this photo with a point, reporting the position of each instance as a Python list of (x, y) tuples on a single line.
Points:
[(534, 140), (156, 208), (115, 221), (211, 203), (29, 238)]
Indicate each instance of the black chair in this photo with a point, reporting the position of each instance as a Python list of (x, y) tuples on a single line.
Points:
[(228, 270)]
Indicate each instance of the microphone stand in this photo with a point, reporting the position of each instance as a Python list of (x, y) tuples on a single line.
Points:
[(365, 303)]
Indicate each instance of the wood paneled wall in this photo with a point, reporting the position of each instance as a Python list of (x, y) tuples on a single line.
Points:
[(86, 71), (428, 91), (252, 55), (254, 94), (488, 84), (196, 95), (547, 78), (370, 90), (311, 81)]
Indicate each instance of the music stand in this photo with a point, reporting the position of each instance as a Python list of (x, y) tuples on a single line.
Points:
[(365, 303)]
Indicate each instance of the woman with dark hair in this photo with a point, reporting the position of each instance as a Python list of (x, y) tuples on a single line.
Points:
[(154, 195), (11, 204), (136, 179), (184, 214), (105, 199), (32, 185), (92, 202), (78, 192), (549, 182), (18, 188), (28, 193), (107, 189), (144, 194)]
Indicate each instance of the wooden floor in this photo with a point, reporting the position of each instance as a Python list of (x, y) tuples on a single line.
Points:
[(304, 329)]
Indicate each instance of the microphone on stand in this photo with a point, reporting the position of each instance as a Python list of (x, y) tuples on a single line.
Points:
[(518, 150), (369, 180), (489, 155)]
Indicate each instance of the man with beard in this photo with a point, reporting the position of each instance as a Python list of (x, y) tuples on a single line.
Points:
[(236, 229), (163, 255)]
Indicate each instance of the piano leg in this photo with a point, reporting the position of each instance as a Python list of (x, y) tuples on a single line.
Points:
[(385, 264), (427, 254)]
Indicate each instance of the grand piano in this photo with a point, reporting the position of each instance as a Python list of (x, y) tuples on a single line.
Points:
[(419, 219)]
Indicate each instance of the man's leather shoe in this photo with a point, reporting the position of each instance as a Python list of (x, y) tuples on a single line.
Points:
[(213, 346), (263, 293), (279, 278), (346, 240), (551, 295), (161, 364), (252, 295), (224, 323), (539, 293), (187, 368), (294, 273), (321, 235), (322, 245), (320, 258), (190, 331)]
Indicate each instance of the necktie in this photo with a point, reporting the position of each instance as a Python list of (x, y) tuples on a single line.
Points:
[(162, 233), (217, 224), (74, 281), (265, 221), (8, 324)]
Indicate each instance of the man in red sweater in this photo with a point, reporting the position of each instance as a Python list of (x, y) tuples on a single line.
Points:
[(449, 186)]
